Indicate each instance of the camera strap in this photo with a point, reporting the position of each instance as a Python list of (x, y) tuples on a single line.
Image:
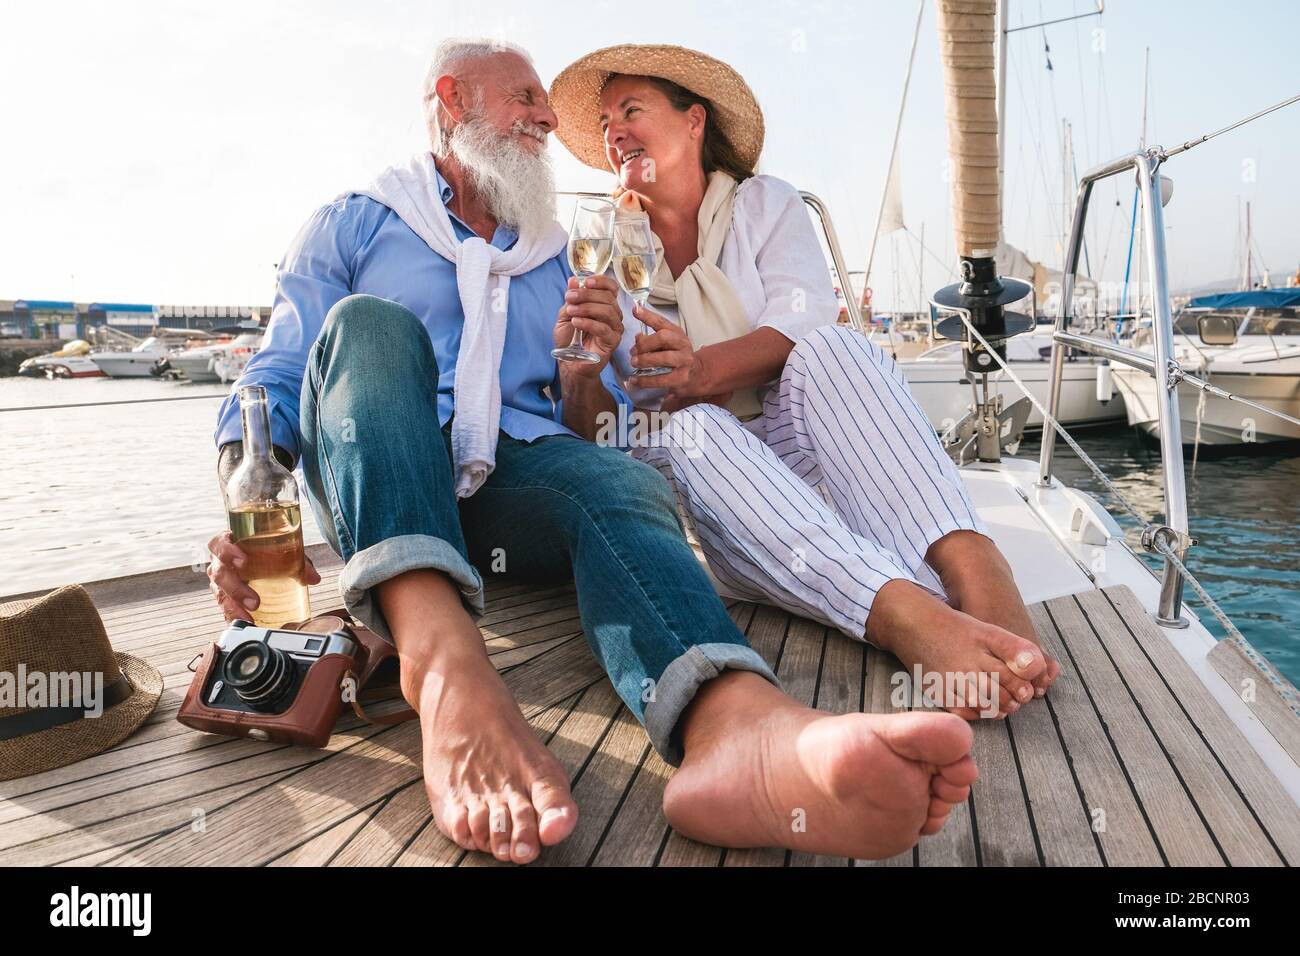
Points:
[(382, 720)]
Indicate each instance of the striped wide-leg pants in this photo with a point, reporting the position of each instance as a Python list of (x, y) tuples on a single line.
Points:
[(839, 487)]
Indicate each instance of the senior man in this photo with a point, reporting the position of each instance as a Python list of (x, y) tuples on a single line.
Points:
[(408, 366)]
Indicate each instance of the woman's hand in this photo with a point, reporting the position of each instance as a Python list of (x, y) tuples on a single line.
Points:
[(668, 347), (593, 310)]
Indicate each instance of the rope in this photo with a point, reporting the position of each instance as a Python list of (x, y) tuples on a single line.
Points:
[(1048, 420), (125, 401)]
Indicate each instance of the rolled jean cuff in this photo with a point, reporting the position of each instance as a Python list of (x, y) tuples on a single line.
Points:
[(680, 682), (393, 556)]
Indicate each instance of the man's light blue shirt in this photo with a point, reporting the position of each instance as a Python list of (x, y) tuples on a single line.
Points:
[(358, 245)]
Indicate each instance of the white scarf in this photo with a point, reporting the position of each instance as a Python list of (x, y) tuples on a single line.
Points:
[(707, 304), (483, 279)]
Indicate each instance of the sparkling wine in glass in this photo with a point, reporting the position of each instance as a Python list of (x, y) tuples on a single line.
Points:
[(635, 262), (590, 244)]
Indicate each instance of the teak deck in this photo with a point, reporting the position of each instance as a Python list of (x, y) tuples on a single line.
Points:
[(1128, 761)]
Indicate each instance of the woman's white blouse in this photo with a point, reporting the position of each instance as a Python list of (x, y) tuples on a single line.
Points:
[(774, 261)]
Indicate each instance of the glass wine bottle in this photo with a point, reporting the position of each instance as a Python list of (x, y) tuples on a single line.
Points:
[(266, 520)]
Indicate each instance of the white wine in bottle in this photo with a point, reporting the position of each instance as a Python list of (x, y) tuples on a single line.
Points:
[(266, 520)]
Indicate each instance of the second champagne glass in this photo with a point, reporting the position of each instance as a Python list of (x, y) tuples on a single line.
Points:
[(590, 244), (635, 262)]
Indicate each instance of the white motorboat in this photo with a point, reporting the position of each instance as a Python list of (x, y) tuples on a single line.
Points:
[(230, 363), (219, 362), (942, 385), (71, 361), (143, 360), (1243, 343), (139, 362)]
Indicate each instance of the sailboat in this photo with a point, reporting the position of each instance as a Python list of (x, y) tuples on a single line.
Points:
[(1159, 745), (1243, 349), (936, 374)]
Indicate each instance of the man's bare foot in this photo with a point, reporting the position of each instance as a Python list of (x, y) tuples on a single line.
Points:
[(763, 770), (922, 631), (492, 784), (978, 581)]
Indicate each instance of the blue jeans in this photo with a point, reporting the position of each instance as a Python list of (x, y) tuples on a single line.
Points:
[(379, 480)]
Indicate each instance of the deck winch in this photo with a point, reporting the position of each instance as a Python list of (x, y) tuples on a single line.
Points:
[(982, 297)]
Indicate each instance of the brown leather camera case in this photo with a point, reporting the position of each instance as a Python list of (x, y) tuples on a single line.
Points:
[(311, 718)]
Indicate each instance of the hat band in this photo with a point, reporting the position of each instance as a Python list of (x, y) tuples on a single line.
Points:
[(43, 718)]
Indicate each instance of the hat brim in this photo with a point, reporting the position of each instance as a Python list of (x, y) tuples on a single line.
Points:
[(575, 96), (69, 743)]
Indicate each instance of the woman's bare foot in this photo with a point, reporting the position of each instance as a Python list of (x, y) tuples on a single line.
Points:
[(491, 783), (978, 581), (948, 645), (763, 770)]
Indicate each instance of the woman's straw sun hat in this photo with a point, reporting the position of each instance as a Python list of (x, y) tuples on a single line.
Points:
[(55, 641), (575, 96)]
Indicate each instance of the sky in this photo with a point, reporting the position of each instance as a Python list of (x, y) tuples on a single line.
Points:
[(168, 152)]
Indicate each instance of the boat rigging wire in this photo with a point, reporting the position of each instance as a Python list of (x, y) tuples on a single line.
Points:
[(1189, 144)]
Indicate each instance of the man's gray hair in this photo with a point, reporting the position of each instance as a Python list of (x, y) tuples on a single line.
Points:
[(450, 57)]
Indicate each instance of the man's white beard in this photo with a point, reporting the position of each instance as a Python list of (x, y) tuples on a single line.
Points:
[(516, 184)]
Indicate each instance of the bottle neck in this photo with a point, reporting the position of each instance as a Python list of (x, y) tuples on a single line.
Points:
[(256, 416)]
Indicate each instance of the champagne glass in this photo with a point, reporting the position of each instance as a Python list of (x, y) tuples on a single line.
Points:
[(635, 262), (590, 244)]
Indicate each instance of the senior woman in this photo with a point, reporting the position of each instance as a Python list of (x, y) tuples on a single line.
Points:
[(813, 478)]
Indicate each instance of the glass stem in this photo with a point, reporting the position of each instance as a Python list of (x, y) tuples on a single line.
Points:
[(577, 333)]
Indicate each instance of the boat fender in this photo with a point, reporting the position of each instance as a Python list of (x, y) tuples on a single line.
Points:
[(1105, 388)]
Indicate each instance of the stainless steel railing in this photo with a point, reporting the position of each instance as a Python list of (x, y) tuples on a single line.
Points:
[(853, 307), (1160, 366)]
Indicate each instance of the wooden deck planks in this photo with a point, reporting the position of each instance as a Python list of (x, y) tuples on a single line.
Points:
[(1179, 720), (1116, 815), (1128, 730)]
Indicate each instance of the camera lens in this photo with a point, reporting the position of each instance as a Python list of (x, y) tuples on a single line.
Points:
[(259, 674)]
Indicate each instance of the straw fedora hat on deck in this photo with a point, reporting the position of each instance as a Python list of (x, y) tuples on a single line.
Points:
[(61, 633), (575, 96)]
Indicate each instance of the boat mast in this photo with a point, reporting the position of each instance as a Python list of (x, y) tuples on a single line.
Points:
[(893, 158), (1067, 183), (1247, 285), (1142, 145), (1002, 106), (920, 275)]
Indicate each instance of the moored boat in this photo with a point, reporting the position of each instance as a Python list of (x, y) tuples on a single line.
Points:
[(71, 361), (1246, 344)]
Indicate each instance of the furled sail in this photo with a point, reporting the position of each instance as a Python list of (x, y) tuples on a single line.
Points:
[(966, 49)]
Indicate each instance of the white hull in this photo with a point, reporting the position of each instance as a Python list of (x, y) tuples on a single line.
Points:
[(1264, 371), (1222, 422), (127, 364), (937, 387), (70, 366), (196, 368)]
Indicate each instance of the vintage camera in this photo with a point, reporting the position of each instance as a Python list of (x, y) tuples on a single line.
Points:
[(281, 684), (261, 669)]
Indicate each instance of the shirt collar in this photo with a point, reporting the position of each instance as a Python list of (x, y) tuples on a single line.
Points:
[(503, 238), (445, 191)]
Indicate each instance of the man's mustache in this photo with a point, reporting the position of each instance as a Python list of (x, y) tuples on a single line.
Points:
[(537, 132)]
